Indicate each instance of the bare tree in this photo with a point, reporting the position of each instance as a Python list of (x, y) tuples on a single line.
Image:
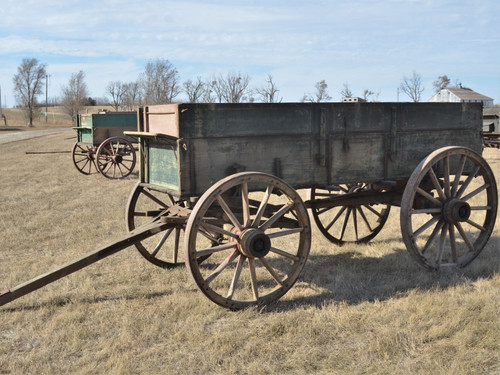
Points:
[(269, 92), (367, 94), (160, 82), (75, 94), (321, 94), (413, 86), (132, 95), (28, 83), (346, 92), (235, 87), (441, 83), (116, 90), (231, 88), (195, 90)]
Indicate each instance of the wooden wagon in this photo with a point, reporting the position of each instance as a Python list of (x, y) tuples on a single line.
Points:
[(101, 146), (227, 183)]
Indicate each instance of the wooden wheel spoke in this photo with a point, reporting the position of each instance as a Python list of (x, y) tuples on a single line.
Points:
[(157, 200), (162, 241), (433, 235), (295, 258), (227, 261), (453, 246), (175, 254), (246, 205), (355, 222), (436, 184), (324, 209), (475, 192), (363, 216), (458, 175), (216, 229), (476, 225), (446, 172), (271, 271), (215, 249), (464, 236), (282, 211), (262, 206), (334, 220), (429, 197), (425, 226), (236, 276), (425, 211), (228, 212), (285, 232), (370, 208), (253, 278), (468, 181), (442, 240), (480, 208), (344, 226)]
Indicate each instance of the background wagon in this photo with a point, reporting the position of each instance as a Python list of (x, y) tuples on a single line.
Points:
[(101, 145), (232, 184)]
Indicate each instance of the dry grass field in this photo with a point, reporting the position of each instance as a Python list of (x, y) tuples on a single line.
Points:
[(56, 118), (355, 309)]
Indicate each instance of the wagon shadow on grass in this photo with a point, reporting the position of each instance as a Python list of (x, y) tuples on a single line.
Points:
[(353, 277)]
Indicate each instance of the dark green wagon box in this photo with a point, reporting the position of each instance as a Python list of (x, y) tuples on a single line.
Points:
[(189, 147)]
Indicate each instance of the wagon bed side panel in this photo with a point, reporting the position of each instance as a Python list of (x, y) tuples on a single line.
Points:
[(425, 127), (224, 139), (113, 124)]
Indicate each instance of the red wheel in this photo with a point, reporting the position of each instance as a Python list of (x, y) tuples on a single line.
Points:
[(115, 158), (83, 158)]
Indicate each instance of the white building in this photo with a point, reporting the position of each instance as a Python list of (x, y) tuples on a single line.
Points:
[(461, 95)]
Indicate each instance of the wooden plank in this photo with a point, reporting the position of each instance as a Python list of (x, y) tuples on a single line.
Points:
[(38, 282)]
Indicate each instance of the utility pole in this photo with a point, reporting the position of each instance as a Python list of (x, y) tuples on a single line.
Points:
[(0, 101), (46, 96)]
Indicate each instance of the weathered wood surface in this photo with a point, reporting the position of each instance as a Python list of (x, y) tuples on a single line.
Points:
[(307, 144), (93, 129)]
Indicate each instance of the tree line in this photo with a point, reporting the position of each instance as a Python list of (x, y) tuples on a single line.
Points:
[(160, 83)]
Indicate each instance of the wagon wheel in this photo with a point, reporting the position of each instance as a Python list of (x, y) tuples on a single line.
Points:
[(83, 158), (449, 207), (349, 224), (162, 249), (115, 158), (263, 236)]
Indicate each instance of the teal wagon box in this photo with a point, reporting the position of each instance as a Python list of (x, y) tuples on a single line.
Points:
[(94, 128)]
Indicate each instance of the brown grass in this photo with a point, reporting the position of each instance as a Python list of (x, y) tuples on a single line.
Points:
[(56, 118), (355, 309)]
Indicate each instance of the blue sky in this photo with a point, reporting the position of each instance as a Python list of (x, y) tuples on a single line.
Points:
[(367, 44)]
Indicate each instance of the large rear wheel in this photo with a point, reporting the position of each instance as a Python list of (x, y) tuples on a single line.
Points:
[(449, 207)]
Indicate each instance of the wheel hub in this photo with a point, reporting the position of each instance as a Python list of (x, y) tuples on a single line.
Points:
[(456, 210), (254, 243), (117, 159)]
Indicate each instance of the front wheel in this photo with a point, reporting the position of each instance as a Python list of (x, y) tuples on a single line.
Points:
[(449, 207), (115, 158), (256, 230)]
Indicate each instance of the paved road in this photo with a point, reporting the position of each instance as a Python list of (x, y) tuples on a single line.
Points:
[(13, 136)]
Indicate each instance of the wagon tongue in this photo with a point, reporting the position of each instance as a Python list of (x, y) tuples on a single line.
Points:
[(129, 239)]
